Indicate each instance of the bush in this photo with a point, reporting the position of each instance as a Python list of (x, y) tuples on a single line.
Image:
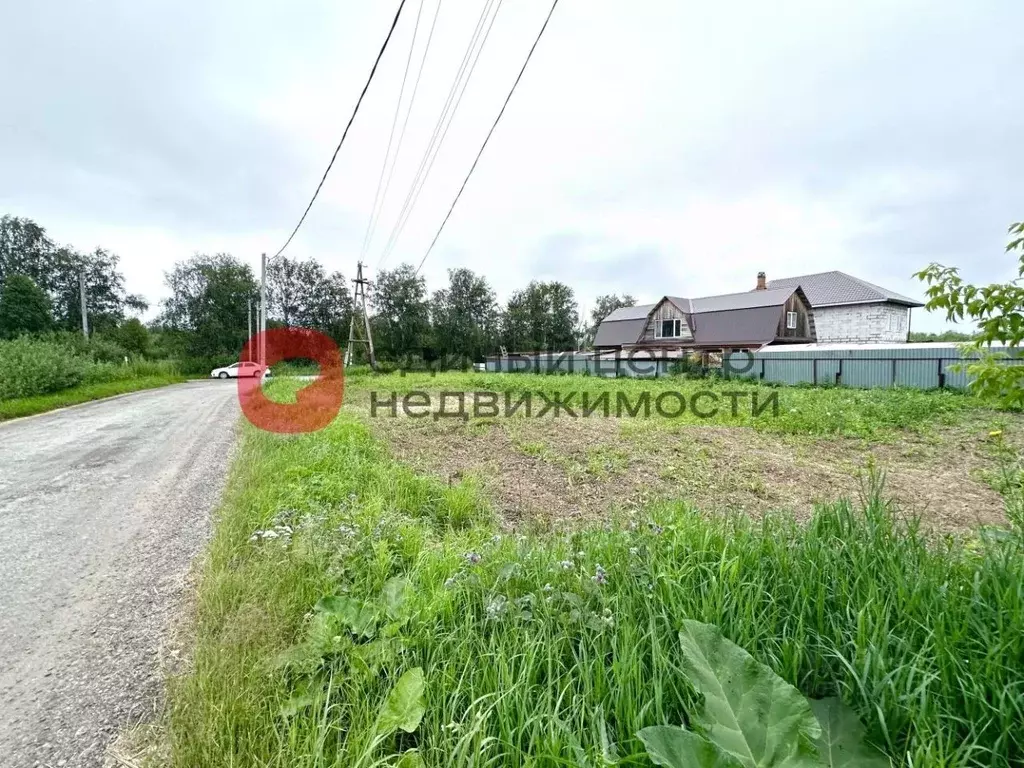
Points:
[(34, 367), (202, 365), (102, 373), (106, 350)]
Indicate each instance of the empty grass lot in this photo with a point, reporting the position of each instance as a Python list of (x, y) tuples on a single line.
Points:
[(339, 565)]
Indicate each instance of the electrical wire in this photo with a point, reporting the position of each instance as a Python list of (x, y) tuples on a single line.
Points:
[(488, 137), (391, 135), (441, 127), (355, 111), (405, 125)]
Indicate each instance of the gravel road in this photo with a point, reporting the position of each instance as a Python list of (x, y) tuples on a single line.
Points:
[(102, 509)]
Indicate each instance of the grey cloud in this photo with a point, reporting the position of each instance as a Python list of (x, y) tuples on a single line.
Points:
[(112, 111), (640, 270)]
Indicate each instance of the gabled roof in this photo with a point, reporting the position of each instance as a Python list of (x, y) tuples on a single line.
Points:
[(615, 333), (750, 325), (746, 300), (828, 289), (630, 313), (749, 317)]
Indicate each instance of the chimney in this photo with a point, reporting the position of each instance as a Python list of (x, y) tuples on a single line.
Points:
[(761, 282)]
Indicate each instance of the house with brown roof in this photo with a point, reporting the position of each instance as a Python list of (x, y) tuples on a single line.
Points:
[(825, 307), (746, 320), (853, 311)]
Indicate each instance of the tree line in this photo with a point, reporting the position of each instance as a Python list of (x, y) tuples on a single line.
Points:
[(206, 315)]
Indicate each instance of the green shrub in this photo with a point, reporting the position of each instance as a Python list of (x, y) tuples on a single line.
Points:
[(34, 367), (105, 350), (201, 366), (101, 373)]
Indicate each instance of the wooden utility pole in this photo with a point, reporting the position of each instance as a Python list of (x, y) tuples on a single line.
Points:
[(85, 310), (248, 338), (359, 305)]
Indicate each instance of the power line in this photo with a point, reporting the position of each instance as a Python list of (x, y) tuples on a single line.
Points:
[(405, 125), (391, 135), (355, 111), (488, 137), (444, 120)]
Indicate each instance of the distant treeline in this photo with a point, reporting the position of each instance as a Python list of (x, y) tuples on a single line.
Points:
[(206, 317)]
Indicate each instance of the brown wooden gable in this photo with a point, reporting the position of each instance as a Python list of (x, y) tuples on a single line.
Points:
[(663, 312), (804, 330)]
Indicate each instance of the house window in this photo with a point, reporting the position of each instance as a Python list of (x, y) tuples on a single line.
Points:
[(791, 321), (670, 329)]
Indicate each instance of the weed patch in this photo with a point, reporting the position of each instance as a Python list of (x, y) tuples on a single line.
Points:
[(554, 649), (29, 406)]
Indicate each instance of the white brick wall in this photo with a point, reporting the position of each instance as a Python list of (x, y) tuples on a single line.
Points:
[(864, 323)]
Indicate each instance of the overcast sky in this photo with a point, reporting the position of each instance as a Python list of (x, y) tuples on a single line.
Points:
[(652, 147)]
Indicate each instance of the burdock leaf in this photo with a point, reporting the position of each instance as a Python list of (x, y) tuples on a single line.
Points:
[(410, 759), (674, 747), (359, 617), (404, 707), (842, 743), (749, 712), (396, 594)]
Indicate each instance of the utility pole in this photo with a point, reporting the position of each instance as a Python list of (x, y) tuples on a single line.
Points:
[(359, 304), (85, 310), (263, 310), (249, 337)]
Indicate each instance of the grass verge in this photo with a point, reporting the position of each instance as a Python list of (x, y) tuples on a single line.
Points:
[(670, 401), (334, 571), (29, 406)]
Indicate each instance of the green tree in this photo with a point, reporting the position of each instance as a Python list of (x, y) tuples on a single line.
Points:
[(947, 336), (302, 294), (465, 316), (401, 320), (133, 336), (207, 312), (543, 316), (998, 310), (24, 307), (26, 250), (106, 298), (603, 307)]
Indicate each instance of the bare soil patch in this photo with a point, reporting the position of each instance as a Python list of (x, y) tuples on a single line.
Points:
[(560, 471)]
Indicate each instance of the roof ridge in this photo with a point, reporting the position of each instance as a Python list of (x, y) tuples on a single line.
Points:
[(810, 274)]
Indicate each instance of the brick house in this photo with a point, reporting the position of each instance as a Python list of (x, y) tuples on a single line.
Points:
[(848, 310)]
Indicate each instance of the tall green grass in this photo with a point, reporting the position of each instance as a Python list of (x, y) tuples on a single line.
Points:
[(798, 410), (31, 367), (84, 393), (41, 374), (539, 648)]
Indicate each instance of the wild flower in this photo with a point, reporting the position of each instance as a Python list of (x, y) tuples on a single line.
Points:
[(600, 576), (567, 565), (496, 607), (657, 530), (449, 582), (473, 557), (634, 551), (548, 588)]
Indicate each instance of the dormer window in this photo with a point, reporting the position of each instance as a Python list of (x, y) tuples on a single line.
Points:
[(670, 329)]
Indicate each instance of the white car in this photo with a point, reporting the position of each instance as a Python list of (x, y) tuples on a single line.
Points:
[(239, 370)]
